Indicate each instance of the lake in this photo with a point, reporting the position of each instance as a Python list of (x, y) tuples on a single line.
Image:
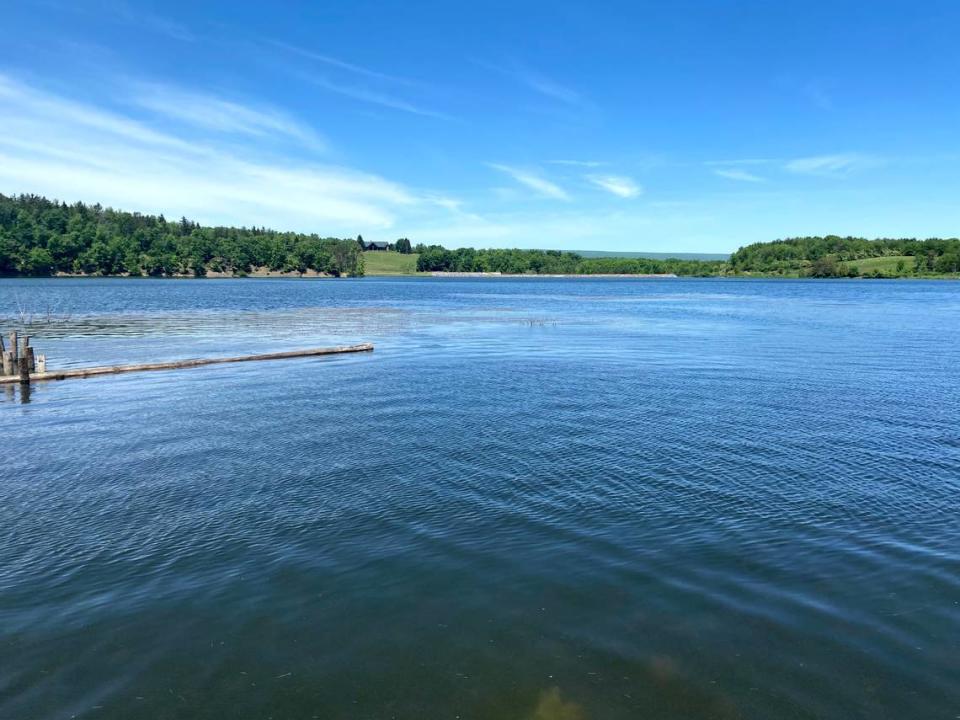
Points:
[(535, 500)]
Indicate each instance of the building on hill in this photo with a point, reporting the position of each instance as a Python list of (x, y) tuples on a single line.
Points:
[(380, 246)]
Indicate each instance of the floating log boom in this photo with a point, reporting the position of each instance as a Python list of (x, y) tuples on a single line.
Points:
[(178, 364)]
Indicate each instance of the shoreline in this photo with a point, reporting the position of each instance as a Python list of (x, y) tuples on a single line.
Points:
[(440, 275)]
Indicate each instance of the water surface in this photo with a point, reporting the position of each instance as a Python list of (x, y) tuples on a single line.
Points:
[(535, 499)]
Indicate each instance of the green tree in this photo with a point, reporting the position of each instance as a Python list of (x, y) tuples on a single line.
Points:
[(824, 267), (948, 263), (39, 261)]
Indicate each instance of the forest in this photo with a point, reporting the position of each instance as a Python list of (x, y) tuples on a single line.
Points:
[(44, 237), (835, 256)]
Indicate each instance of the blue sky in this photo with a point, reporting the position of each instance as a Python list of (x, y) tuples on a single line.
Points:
[(658, 126)]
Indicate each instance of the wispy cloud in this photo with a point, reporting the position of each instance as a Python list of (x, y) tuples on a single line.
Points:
[(579, 163), (536, 81), (742, 161), (226, 116), (153, 22), (357, 82), (375, 97), (735, 174), (66, 149), (618, 185), (454, 205), (546, 86), (341, 64), (832, 165), (533, 180)]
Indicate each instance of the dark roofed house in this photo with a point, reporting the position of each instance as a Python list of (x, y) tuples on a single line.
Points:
[(382, 246)]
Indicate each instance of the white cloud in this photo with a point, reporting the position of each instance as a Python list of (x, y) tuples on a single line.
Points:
[(618, 185), (214, 113), (61, 148), (840, 164), (341, 64), (579, 163), (742, 175), (743, 161), (350, 88), (375, 97), (447, 203), (536, 81), (153, 22), (548, 87), (533, 181)]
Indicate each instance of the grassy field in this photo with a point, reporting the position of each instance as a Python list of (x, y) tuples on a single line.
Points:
[(389, 263), (886, 265)]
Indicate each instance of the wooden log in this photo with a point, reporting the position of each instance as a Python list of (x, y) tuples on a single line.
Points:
[(24, 371), (28, 354), (41, 364), (195, 362), (8, 368)]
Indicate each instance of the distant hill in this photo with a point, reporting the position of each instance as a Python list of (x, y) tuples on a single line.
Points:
[(651, 255)]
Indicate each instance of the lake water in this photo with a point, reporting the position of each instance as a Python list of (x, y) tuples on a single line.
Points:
[(536, 500)]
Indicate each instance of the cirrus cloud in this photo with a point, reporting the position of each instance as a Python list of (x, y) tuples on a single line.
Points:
[(533, 180), (618, 185), (741, 175), (835, 165), (59, 147)]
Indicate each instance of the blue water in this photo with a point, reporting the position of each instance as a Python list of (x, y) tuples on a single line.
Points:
[(537, 499)]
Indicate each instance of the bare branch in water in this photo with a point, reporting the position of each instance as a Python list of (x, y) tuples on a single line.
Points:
[(33, 311)]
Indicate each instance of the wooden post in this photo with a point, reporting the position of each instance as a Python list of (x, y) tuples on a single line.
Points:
[(8, 368), (14, 345), (27, 351), (2, 348), (24, 371), (41, 363)]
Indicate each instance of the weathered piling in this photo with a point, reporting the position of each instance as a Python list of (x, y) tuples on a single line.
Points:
[(27, 352), (8, 365), (24, 371), (14, 344), (180, 364), (41, 364)]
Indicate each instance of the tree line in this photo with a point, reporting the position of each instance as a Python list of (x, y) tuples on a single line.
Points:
[(820, 257), (835, 256), (435, 258), (45, 237)]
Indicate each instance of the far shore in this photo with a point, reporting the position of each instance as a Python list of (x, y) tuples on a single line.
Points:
[(314, 275), (440, 274)]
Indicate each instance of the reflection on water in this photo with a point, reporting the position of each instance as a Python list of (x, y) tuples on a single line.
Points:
[(535, 499)]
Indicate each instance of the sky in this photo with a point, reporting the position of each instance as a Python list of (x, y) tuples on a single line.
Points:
[(667, 126)]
